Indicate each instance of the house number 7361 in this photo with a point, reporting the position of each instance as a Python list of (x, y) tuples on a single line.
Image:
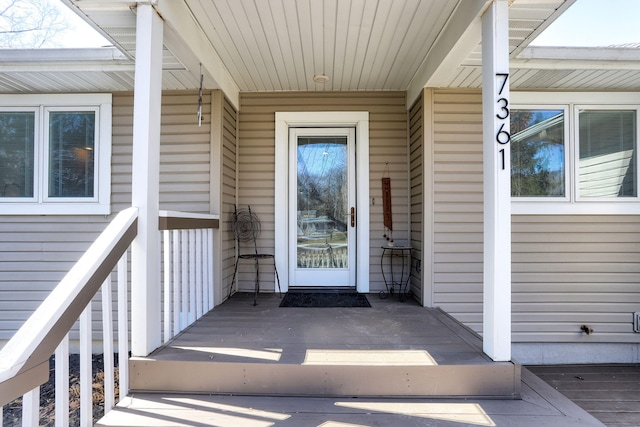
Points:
[(502, 136)]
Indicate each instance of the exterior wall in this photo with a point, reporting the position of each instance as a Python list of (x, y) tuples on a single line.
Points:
[(457, 199), (416, 187), (574, 270), (229, 170), (35, 254), (567, 270), (184, 152), (37, 251), (388, 143)]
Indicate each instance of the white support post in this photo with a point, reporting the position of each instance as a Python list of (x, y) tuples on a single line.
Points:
[(192, 276), (86, 368), (166, 241), (62, 383), (107, 343), (184, 279), (123, 327), (198, 262), (213, 282), (31, 408), (497, 182), (175, 282), (145, 249)]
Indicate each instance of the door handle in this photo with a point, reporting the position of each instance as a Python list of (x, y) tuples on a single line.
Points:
[(353, 217)]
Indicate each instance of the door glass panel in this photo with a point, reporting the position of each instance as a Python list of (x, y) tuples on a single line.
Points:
[(322, 197)]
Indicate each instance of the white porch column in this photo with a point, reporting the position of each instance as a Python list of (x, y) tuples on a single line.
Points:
[(145, 251), (497, 182)]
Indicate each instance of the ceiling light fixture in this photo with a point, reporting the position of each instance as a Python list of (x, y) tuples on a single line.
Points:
[(320, 78)]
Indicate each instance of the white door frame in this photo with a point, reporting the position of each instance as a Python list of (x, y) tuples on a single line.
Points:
[(360, 121)]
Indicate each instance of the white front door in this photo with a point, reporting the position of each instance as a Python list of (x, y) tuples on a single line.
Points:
[(322, 207)]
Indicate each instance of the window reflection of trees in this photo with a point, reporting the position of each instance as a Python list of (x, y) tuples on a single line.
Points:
[(322, 199), (322, 178), (537, 153)]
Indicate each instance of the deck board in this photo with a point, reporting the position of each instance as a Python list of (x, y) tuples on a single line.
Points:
[(611, 393)]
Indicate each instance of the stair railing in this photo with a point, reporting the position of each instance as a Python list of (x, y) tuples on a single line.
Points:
[(188, 294), (24, 360)]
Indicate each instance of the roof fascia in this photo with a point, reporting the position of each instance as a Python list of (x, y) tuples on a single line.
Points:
[(98, 5), (89, 59), (179, 18), (531, 37), (460, 35), (587, 58)]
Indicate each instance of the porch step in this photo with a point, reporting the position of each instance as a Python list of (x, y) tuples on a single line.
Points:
[(392, 349), (501, 380)]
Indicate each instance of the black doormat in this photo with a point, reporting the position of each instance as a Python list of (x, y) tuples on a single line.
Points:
[(324, 299)]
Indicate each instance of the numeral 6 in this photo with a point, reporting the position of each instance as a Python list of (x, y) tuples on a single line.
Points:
[(503, 137)]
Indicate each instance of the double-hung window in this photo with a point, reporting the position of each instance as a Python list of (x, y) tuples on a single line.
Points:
[(575, 153), (55, 154)]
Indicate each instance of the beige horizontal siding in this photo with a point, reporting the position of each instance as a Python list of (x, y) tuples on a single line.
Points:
[(388, 143), (37, 251), (567, 270), (416, 175), (570, 270), (457, 204), (184, 152), (35, 254), (229, 146)]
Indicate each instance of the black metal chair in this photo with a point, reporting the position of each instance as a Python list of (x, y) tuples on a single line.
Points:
[(246, 227)]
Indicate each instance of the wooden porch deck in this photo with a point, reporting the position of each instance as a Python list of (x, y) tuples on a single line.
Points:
[(237, 340), (391, 349)]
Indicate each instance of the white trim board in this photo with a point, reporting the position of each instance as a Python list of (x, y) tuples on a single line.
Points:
[(357, 119), (540, 353)]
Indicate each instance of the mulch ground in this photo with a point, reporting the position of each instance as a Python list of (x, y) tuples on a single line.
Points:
[(12, 414)]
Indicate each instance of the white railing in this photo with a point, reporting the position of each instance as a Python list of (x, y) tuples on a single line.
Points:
[(188, 280), (188, 294)]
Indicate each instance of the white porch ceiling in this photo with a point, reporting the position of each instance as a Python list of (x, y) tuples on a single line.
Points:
[(279, 45), (361, 45)]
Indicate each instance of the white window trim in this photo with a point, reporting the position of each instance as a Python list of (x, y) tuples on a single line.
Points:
[(572, 204), (100, 204)]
